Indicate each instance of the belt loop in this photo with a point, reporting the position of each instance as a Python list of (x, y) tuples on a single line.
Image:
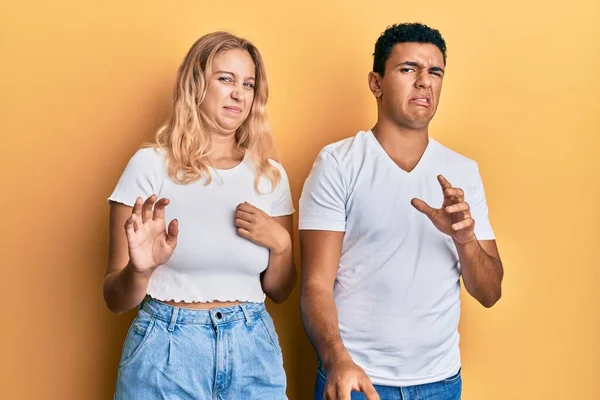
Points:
[(173, 319), (246, 314), (213, 319)]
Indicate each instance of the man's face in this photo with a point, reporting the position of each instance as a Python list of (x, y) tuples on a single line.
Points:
[(410, 89)]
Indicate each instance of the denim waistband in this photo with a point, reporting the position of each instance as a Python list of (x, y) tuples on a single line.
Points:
[(215, 316)]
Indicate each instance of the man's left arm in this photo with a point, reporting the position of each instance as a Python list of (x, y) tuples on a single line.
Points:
[(482, 270), (480, 262)]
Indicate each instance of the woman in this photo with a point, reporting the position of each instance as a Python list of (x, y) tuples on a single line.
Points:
[(202, 331)]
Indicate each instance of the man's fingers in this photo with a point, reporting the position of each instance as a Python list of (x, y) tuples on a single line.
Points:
[(368, 389), (457, 208), (465, 223), (458, 192), (444, 182), (329, 392), (423, 207), (454, 194), (343, 391)]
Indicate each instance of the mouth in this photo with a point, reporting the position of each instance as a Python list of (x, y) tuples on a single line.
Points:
[(233, 109), (423, 101)]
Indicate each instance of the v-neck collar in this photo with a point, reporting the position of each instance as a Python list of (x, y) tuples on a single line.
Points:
[(379, 148)]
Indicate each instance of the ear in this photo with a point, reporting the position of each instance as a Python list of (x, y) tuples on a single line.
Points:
[(375, 84)]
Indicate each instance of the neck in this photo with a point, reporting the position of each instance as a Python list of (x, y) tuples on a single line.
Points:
[(224, 148), (405, 146)]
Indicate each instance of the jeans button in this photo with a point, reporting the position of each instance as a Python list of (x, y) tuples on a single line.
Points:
[(219, 315)]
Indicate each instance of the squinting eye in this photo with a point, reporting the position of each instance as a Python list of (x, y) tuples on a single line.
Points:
[(407, 69), (250, 85), (225, 79)]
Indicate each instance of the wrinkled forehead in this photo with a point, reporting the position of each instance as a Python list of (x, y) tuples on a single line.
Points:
[(426, 55), (237, 62)]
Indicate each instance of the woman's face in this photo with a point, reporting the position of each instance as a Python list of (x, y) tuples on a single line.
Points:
[(230, 90)]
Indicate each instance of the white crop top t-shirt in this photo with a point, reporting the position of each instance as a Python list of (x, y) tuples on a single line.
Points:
[(211, 262)]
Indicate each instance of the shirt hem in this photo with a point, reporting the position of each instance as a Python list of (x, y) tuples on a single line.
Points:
[(190, 300), (283, 214), (322, 226), (417, 381), (120, 201)]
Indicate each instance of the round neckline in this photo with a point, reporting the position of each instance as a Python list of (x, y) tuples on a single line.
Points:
[(385, 155), (232, 169)]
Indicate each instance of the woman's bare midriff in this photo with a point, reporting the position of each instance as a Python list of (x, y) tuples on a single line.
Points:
[(203, 306)]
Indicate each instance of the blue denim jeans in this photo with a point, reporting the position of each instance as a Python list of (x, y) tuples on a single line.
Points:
[(448, 389), (218, 354)]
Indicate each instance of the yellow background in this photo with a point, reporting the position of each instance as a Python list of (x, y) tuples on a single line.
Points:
[(84, 84)]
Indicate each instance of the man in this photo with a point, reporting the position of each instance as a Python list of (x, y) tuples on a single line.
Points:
[(389, 221)]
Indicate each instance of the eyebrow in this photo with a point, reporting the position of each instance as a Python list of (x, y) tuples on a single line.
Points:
[(416, 64), (232, 74)]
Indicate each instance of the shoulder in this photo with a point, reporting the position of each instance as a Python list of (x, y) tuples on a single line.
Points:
[(149, 157), (149, 163), (346, 150), (277, 165), (454, 159)]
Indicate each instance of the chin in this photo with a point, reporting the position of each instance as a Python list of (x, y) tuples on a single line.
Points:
[(421, 123), (229, 128), (419, 127), (416, 124)]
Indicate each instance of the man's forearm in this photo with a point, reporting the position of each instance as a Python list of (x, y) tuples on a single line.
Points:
[(319, 315), (482, 273)]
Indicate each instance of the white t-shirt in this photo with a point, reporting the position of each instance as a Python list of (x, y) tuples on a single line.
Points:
[(211, 262), (397, 287)]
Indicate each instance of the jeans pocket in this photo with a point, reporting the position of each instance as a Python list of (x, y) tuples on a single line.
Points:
[(321, 373), (271, 334), (320, 384), (140, 330)]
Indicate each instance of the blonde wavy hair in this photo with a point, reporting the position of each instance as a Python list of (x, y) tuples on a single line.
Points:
[(186, 134)]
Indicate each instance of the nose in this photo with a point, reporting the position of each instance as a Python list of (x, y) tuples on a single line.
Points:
[(423, 80), (237, 93)]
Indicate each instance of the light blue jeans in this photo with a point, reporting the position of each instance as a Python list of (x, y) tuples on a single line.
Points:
[(447, 389), (218, 354)]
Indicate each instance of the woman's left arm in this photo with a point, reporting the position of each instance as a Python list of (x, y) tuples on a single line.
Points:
[(276, 234)]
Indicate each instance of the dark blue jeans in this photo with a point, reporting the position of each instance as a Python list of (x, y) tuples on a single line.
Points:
[(448, 389)]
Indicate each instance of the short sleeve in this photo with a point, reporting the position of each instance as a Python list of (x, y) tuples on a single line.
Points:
[(282, 195), (141, 177), (323, 199), (479, 209)]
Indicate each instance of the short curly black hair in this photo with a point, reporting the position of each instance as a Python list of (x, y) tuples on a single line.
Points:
[(403, 33)]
